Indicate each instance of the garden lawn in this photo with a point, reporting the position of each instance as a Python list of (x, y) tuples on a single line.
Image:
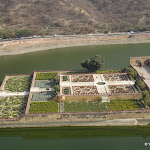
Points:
[(11, 107), (123, 105), (46, 76), (85, 106), (44, 107), (18, 84)]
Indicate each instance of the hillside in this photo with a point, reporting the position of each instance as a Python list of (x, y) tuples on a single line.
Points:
[(75, 16)]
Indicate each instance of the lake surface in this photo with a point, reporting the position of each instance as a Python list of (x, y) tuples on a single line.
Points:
[(115, 56), (75, 138)]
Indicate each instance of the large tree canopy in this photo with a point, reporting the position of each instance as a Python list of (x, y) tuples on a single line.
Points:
[(93, 64)]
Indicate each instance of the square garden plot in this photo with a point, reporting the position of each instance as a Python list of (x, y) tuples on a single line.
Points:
[(66, 90), (44, 83), (85, 106), (44, 107), (84, 90), (43, 96), (124, 105), (121, 89), (18, 84), (82, 78), (11, 107)]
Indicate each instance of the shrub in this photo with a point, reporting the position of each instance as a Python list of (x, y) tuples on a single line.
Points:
[(56, 80), (140, 84), (66, 90), (57, 89), (65, 78), (131, 72)]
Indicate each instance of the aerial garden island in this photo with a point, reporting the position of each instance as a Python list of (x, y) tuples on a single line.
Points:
[(56, 92)]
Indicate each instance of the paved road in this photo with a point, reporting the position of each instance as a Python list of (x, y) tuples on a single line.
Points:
[(77, 36)]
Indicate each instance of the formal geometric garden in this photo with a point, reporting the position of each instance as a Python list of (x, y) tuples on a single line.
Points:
[(121, 89), (11, 107), (85, 106), (43, 96), (44, 107), (98, 106), (18, 84), (115, 77), (44, 84), (84, 90), (82, 78), (123, 105)]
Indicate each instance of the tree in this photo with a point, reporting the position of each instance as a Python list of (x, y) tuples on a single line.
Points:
[(93, 64), (131, 72), (140, 84), (146, 97)]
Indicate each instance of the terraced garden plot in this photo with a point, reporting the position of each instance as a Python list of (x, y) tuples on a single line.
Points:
[(46, 76), (121, 89), (114, 77), (85, 106), (18, 84), (11, 107), (44, 83), (84, 90), (44, 107), (123, 105), (82, 78), (43, 96)]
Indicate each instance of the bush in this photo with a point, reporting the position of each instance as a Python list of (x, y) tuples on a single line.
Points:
[(56, 80), (109, 71), (57, 89), (131, 72), (65, 78), (146, 97), (140, 84)]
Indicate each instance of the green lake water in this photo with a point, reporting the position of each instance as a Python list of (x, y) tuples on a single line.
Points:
[(115, 56)]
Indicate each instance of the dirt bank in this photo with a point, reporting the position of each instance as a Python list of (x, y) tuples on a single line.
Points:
[(39, 44)]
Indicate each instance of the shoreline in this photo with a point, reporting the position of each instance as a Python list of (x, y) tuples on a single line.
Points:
[(35, 45)]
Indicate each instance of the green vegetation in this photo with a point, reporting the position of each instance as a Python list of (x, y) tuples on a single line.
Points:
[(65, 78), (44, 107), (11, 107), (46, 76), (43, 96), (146, 97), (24, 32), (93, 64), (139, 83), (98, 106), (131, 72), (18, 84), (100, 83), (85, 106), (109, 71), (57, 89), (123, 105), (66, 91)]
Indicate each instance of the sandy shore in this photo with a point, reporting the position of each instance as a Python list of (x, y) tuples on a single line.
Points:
[(33, 45)]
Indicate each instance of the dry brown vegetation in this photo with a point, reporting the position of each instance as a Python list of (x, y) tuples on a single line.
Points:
[(75, 16)]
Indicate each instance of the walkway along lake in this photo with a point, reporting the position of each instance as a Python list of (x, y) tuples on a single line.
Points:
[(116, 56)]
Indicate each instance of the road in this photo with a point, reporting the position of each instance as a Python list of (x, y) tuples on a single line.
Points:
[(77, 36)]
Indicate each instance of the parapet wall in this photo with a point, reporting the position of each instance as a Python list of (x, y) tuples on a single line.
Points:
[(133, 60)]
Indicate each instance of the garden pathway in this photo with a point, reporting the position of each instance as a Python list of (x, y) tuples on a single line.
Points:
[(5, 94)]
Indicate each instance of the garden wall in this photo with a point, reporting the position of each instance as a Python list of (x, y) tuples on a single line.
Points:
[(125, 96)]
